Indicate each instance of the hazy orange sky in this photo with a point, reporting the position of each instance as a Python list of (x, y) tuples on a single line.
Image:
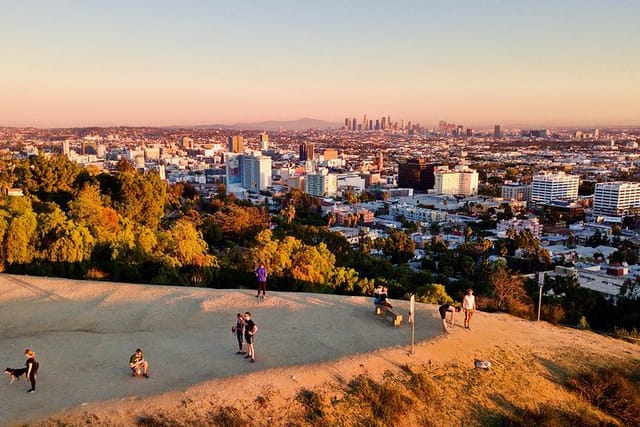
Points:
[(524, 63)]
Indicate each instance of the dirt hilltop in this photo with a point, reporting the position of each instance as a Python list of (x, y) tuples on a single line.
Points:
[(312, 352)]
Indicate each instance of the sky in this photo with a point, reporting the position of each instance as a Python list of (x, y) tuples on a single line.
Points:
[(521, 63)]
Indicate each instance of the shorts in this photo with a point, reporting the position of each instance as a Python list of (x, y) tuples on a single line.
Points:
[(443, 313), (248, 338)]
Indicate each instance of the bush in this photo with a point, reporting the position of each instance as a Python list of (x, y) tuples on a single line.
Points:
[(386, 401), (547, 416), (433, 293), (583, 324), (313, 406), (553, 313), (611, 391), (228, 416)]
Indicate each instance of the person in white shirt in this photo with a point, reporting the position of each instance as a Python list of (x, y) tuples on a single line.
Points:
[(469, 306)]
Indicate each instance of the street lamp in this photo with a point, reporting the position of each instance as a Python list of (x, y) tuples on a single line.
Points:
[(540, 285)]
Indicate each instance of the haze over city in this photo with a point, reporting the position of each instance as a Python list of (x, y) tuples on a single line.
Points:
[(157, 63)]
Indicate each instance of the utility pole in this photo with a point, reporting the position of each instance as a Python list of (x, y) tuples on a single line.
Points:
[(412, 308), (540, 285)]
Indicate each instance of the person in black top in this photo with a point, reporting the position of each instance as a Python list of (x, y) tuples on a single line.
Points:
[(32, 368), (250, 329), (444, 309)]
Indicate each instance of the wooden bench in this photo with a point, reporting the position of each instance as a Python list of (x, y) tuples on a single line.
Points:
[(389, 314)]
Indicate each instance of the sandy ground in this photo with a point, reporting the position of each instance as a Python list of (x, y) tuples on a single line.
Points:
[(84, 332)]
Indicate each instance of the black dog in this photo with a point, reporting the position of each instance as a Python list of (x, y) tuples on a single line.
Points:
[(15, 373)]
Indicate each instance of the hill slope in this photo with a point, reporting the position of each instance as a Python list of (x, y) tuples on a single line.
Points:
[(322, 360)]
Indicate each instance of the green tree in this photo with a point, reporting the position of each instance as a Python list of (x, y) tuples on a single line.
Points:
[(88, 210), (141, 197), (61, 239), (21, 231), (182, 245), (398, 246)]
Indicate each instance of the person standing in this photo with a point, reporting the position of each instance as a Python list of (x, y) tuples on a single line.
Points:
[(444, 309), (239, 331), (261, 274), (32, 368), (250, 329), (469, 306)]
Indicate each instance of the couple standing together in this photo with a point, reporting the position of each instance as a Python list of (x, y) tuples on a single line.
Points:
[(245, 330)]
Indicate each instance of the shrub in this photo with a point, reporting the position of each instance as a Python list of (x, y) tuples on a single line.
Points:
[(547, 416), (228, 416), (313, 406), (386, 401), (583, 324), (552, 313), (610, 391), (433, 293)]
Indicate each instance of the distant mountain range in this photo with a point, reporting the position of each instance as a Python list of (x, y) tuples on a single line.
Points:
[(300, 124)]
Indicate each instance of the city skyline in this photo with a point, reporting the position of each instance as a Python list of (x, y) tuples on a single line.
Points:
[(529, 64)]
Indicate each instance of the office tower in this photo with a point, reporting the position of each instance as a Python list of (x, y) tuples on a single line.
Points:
[(377, 124), (516, 191), (235, 144), (354, 124), (370, 124), (306, 151), (330, 154), (459, 130), (547, 187), (388, 122), (321, 184), (347, 123), (65, 147), (497, 132), (383, 124), (596, 134), (469, 132), (380, 161), (616, 198), (264, 141), (256, 172), (364, 122), (416, 174), (233, 166), (460, 180)]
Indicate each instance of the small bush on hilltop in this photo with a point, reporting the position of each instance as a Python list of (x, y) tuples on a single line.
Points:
[(611, 391), (548, 416), (227, 416)]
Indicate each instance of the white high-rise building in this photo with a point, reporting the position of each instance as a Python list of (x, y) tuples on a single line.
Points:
[(256, 172), (461, 180), (321, 184), (557, 186), (616, 198)]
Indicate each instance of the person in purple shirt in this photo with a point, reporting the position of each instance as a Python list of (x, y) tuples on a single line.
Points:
[(261, 274)]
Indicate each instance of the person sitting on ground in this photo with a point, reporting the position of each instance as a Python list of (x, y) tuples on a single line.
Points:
[(380, 296), (448, 308), (138, 365)]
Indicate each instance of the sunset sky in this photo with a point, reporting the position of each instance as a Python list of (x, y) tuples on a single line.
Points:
[(517, 63)]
